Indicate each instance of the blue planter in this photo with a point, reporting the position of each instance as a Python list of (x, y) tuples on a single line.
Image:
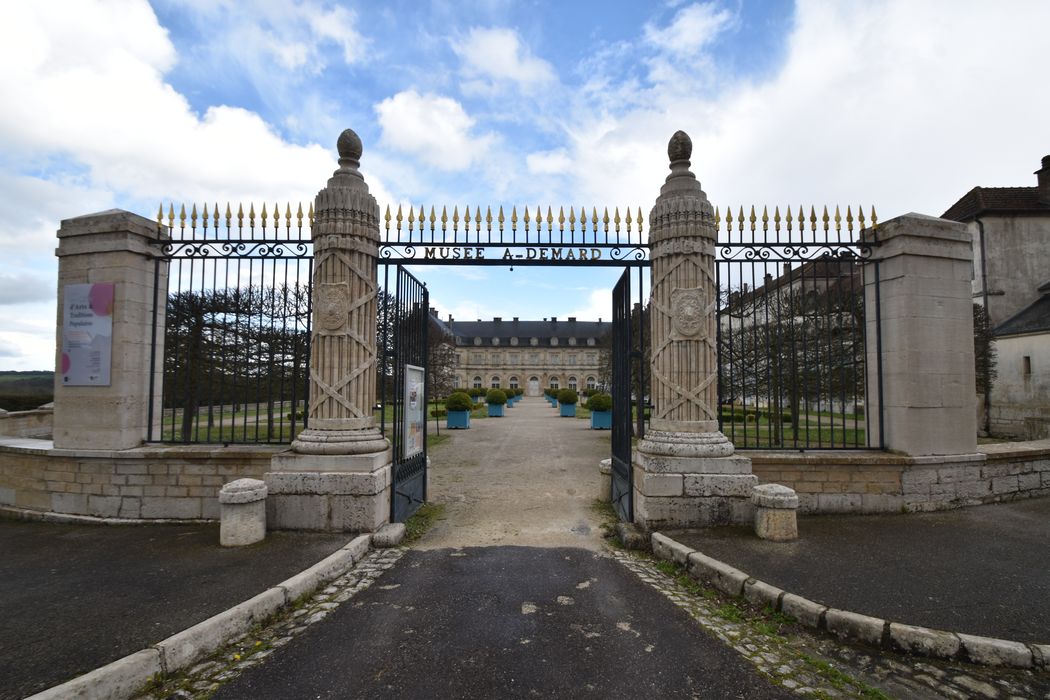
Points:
[(568, 410), (601, 420), (495, 410), (458, 420)]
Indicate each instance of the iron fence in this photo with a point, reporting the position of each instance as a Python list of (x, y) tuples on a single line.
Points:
[(231, 328), (792, 335)]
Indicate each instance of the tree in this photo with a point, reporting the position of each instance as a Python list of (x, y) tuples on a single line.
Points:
[(791, 346), (441, 360), (235, 345)]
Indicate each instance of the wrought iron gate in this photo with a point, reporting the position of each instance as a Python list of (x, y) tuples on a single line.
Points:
[(628, 396), (403, 319)]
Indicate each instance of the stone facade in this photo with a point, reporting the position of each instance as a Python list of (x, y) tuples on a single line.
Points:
[(148, 483), (27, 424), (1010, 230), (529, 355)]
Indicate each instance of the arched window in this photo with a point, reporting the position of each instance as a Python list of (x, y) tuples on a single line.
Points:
[(455, 382), (592, 382), (555, 383), (495, 382), (572, 383), (513, 383), (477, 382)]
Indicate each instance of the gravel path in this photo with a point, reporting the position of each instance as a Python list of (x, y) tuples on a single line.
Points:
[(529, 478)]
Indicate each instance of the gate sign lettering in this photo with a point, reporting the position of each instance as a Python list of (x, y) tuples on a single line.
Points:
[(87, 334), (547, 253)]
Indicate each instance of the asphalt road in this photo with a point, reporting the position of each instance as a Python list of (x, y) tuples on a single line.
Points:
[(982, 570), (505, 622), (76, 597)]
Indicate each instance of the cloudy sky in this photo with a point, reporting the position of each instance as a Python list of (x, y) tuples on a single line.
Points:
[(904, 105)]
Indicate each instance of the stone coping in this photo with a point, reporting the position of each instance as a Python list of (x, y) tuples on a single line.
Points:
[(47, 448), (123, 677), (990, 451), (871, 631)]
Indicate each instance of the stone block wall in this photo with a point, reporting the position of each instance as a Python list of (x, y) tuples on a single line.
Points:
[(27, 424), (877, 482), (147, 483)]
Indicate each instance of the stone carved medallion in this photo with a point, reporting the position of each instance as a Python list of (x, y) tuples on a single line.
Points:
[(687, 314), (333, 305)]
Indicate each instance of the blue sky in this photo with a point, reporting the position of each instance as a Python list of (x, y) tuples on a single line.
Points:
[(900, 104)]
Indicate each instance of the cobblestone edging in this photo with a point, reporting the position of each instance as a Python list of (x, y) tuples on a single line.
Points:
[(124, 677), (872, 631), (823, 667)]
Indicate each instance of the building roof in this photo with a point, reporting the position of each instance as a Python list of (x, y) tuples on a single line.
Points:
[(1034, 318), (466, 331), (999, 200)]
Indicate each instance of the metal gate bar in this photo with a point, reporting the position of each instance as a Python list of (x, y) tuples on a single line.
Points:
[(622, 487), (403, 330)]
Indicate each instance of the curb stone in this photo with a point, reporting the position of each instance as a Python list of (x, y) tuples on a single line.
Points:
[(871, 631), (123, 677)]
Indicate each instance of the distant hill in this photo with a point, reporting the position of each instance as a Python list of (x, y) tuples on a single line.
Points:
[(24, 391)]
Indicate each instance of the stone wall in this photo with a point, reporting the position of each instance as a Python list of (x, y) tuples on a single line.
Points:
[(1017, 394), (26, 424), (149, 483), (876, 482)]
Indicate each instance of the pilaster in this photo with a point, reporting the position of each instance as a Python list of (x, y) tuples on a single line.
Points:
[(920, 311), (111, 247)]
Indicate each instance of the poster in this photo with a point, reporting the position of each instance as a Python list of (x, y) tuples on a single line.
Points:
[(415, 410), (87, 334)]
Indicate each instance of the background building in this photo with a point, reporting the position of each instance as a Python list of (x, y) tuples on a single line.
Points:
[(529, 355), (1011, 272)]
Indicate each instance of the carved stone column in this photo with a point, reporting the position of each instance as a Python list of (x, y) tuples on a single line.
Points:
[(338, 474), (343, 344), (686, 472)]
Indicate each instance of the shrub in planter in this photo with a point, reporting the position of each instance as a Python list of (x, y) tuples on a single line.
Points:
[(567, 399), (601, 411), (458, 406), (496, 399), (477, 394)]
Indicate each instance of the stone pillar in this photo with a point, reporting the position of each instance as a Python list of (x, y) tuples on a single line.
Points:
[(111, 247), (925, 329), (337, 475), (686, 474)]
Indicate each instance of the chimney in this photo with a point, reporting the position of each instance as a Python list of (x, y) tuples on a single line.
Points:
[(515, 319), (450, 319), (433, 312), (1043, 178), (572, 319), (745, 288), (554, 319), (497, 319), (768, 281), (787, 269)]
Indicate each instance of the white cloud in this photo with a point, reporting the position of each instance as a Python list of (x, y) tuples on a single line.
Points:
[(432, 128), (897, 104), (495, 57), (548, 162), (21, 287), (692, 29)]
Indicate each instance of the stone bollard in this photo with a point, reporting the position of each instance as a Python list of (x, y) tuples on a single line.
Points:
[(605, 481), (243, 512), (775, 509)]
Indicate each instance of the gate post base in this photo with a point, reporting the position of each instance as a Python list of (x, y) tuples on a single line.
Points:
[(329, 493), (684, 479)]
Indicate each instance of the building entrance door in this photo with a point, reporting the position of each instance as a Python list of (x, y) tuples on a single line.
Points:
[(534, 387)]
